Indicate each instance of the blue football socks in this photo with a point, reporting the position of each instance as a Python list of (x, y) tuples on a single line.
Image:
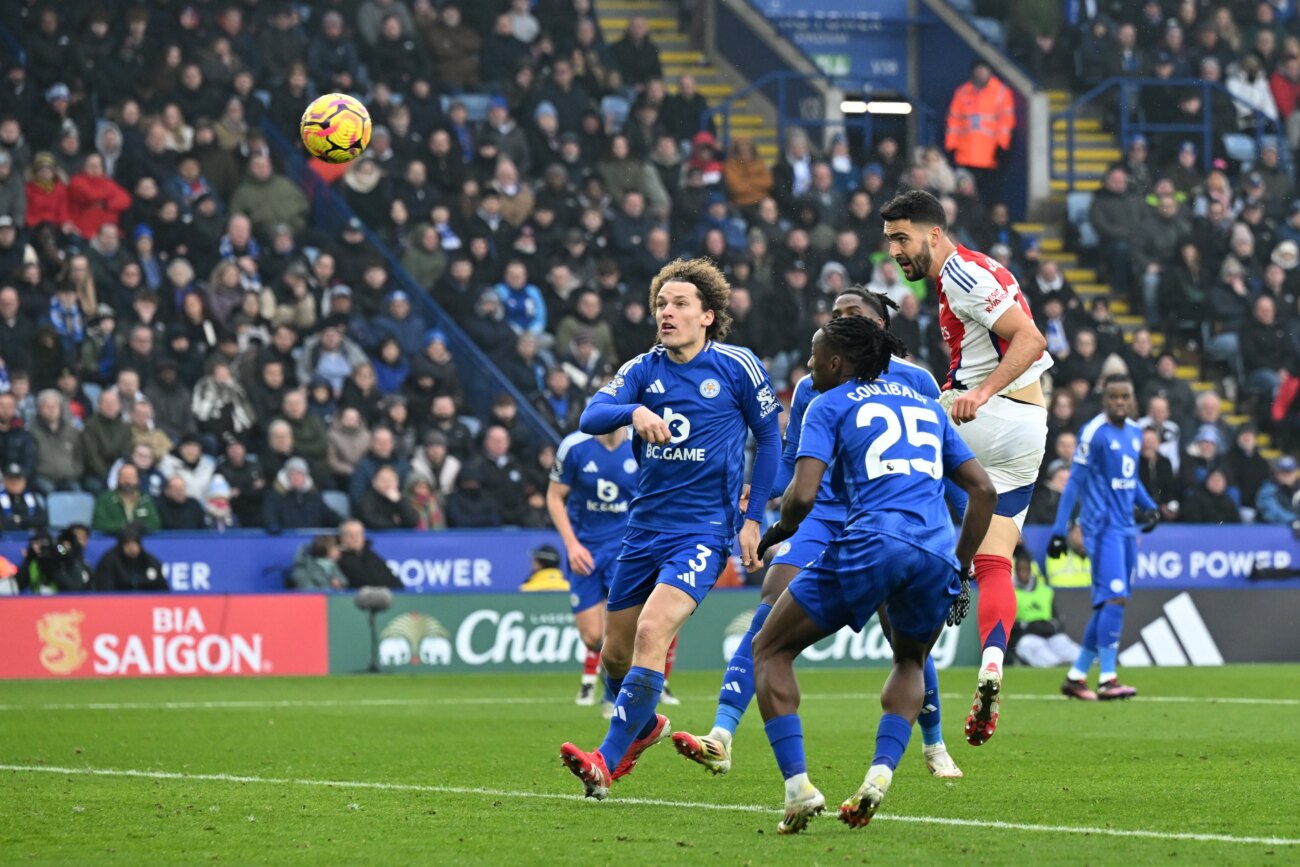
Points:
[(1110, 623), (634, 707), (892, 736), (738, 682), (929, 720), (1087, 651), (785, 733)]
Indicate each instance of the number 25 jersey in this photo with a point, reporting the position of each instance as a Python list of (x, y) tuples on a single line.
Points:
[(888, 447)]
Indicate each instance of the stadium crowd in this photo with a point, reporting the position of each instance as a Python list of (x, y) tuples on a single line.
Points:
[(178, 339)]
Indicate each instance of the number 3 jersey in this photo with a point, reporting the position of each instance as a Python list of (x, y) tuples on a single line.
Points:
[(887, 447), (602, 483), (710, 403)]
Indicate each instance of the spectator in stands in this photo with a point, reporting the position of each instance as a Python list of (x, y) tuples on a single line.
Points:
[(359, 562), (171, 400), (105, 439), (316, 565), (221, 405), (1247, 468), (188, 462), (1276, 501), (348, 441), (1117, 217), (1175, 391), (21, 510), (144, 431), (128, 567), (470, 505), (382, 506), (269, 199), (47, 194), (94, 198), (1210, 503), (500, 474), (177, 510), (331, 355), (125, 504), (16, 444), (460, 442), (636, 55), (382, 453), (454, 45), (1157, 474), (59, 464), (434, 461), (559, 403), (246, 479), (1266, 349), (310, 437), (747, 178), (293, 502), (1047, 495)]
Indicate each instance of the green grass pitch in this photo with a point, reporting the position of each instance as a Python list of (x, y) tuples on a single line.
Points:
[(385, 770)]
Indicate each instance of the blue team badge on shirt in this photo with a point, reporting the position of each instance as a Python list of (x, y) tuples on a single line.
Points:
[(710, 388), (629, 465)]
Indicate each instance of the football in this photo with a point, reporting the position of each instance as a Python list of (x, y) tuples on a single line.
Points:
[(335, 128)]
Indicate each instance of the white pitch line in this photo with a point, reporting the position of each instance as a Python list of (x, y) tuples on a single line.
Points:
[(526, 700), (650, 802)]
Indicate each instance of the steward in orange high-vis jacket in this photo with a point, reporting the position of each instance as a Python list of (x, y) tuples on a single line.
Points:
[(980, 119)]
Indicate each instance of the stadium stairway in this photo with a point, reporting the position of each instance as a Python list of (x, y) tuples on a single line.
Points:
[(679, 58), (1095, 151)]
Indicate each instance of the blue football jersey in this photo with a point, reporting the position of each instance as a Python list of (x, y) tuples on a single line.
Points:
[(602, 483), (692, 484), (1105, 472), (829, 506), (888, 447)]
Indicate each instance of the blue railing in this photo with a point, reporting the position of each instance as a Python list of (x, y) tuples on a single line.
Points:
[(481, 378), (779, 88), (1127, 93)]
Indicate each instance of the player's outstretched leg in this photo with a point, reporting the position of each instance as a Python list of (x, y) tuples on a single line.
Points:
[(1110, 623), (1076, 679), (997, 614), (937, 760), (713, 750), (784, 636), (587, 690)]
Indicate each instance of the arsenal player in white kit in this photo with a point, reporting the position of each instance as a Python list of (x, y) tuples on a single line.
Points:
[(993, 394)]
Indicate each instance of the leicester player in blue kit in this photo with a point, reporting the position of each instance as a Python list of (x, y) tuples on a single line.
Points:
[(889, 448), (692, 402), (826, 522), (590, 495), (1113, 504)]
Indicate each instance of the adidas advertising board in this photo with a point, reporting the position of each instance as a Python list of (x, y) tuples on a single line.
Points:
[(1198, 627)]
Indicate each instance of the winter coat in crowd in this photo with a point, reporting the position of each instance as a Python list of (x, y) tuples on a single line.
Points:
[(286, 509), (365, 568), (119, 573)]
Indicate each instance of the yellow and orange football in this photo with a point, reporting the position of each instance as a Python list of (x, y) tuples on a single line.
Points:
[(335, 128)]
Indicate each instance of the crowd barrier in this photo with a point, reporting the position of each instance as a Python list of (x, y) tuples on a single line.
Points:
[(450, 561), (1175, 557)]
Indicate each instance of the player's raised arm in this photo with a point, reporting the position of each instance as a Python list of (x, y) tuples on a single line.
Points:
[(1025, 345), (613, 407)]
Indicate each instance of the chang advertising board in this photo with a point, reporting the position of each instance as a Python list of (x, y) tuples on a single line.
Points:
[(535, 632), (155, 635)]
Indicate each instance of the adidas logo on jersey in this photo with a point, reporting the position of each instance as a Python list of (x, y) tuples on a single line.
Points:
[(731, 686), (656, 387), (687, 578), (591, 467), (1179, 638)]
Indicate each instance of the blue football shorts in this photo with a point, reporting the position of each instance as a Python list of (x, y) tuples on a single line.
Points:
[(859, 571), (588, 590), (1114, 557), (691, 562), (802, 548)]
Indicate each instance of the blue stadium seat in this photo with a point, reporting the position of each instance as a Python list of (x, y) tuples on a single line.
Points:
[(615, 109), (69, 507), (1076, 209), (476, 105), (338, 501)]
